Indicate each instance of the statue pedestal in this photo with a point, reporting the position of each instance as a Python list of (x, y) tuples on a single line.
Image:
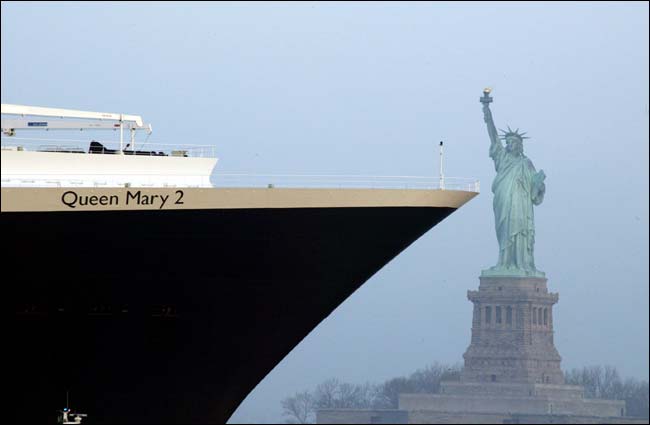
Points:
[(511, 365), (512, 332)]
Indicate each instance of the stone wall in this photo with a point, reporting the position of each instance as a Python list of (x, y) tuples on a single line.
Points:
[(472, 405), (351, 416), (511, 389), (358, 416), (570, 419), (430, 417), (502, 402)]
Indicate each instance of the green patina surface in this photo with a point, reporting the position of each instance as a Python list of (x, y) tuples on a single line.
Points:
[(517, 187)]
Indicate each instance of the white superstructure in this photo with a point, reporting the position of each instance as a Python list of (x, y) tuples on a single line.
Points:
[(46, 162)]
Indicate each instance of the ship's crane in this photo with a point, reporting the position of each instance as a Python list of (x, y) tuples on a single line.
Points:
[(93, 121)]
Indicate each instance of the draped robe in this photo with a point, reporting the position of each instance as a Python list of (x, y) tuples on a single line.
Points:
[(516, 188)]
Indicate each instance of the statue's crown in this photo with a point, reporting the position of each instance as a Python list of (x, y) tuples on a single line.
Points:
[(515, 133)]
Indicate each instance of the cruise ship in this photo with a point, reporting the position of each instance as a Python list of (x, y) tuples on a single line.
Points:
[(151, 290)]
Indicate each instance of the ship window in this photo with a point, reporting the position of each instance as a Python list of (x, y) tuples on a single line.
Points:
[(498, 312), (545, 316), (534, 315), (488, 314), (509, 315)]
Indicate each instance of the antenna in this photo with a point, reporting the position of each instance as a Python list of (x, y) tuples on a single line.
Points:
[(442, 174)]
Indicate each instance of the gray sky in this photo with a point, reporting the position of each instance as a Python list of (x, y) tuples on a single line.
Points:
[(363, 88)]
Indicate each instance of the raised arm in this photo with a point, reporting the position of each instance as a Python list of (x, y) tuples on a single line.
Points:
[(492, 130), (495, 145)]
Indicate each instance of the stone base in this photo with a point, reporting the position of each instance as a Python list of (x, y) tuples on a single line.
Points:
[(507, 399), (565, 419), (485, 389), (428, 417), (361, 416)]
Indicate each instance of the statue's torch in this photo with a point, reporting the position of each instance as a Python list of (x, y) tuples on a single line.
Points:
[(486, 99)]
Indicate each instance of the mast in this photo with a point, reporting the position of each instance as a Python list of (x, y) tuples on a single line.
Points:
[(442, 174)]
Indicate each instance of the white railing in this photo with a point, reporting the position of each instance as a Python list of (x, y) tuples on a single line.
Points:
[(343, 181), (35, 144), (106, 180), (223, 180)]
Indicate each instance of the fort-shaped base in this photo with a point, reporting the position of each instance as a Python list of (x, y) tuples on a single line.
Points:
[(505, 399)]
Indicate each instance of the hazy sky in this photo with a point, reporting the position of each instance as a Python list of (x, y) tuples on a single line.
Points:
[(363, 88)]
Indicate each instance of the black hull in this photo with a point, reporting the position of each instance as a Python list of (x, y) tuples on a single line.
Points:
[(175, 316)]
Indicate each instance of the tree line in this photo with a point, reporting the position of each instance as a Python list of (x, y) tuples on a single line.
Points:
[(603, 382), (606, 383)]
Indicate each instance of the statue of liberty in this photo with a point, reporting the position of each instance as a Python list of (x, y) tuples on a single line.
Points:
[(516, 187)]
